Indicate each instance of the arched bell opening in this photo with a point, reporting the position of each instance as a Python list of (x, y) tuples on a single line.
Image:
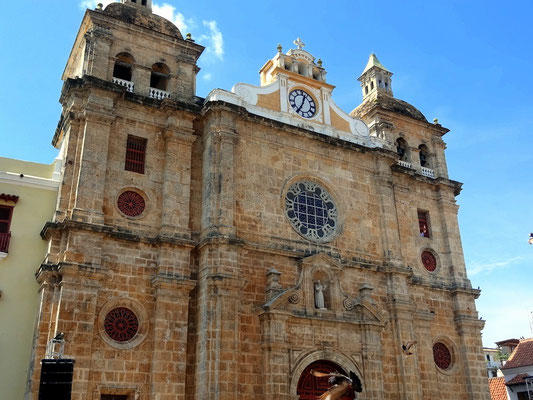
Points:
[(311, 387)]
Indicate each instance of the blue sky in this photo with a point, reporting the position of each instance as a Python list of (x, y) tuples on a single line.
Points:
[(466, 63)]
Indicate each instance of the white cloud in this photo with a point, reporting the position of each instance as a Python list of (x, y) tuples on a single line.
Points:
[(477, 268), (93, 3), (207, 76), (213, 40), (169, 12)]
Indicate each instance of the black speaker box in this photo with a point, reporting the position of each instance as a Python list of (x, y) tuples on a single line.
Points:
[(56, 379)]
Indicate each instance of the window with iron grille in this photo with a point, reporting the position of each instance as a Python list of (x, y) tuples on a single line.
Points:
[(5, 222), (423, 223), (135, 154)]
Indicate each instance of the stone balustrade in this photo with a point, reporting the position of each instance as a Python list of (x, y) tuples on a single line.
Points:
[(158, 94), (428, 172), (122, 82)]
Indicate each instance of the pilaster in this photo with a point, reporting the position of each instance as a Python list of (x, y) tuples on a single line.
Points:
[(177, 179), (216, 375), (471, 349), (48, 297), (275, 354), (372, 355), (170, 325), (92, 167), (75, 317), (220, 140)]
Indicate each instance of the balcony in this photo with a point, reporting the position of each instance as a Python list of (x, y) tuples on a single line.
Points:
[(122, 82), (405, 164), (428, 172), (4, 242), (158, 94)]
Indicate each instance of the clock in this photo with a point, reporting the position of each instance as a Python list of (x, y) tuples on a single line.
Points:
[(302, 103)]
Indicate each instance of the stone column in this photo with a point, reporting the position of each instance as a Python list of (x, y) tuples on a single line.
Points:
[(217, 369), (71, 132), (177, 180), (390, 234), (96, 58), (47, 279), (401, 312), (469, 328), (76, 318), (423, 353), (452, 252), (170, 325), (372, 361), (438, 158), (276, 354), (92, 163), (218, 178)]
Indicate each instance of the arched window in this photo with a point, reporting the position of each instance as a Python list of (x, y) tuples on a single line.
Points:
[(159, 76), (402, 149), (424, 156), (123, 66)]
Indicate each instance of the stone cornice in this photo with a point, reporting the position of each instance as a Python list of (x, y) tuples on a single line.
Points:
[(36, 182), (440, 181), (301, 130), (173, 282), (69, 224)]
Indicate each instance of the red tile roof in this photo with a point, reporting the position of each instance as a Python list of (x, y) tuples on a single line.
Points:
[(517, 380), (522, 356), (497, 388)]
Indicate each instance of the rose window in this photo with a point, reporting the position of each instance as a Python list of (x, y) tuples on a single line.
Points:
[(121, 324), (442, 355), (131, 203), (311, 211), (429, 261)]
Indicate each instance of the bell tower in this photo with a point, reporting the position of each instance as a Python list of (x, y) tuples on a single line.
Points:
[(375, 79), (126, 131)]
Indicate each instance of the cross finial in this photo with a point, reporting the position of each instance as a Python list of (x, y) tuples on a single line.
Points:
[(298, 42)]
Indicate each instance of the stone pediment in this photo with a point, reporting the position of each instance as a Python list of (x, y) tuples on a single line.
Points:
[(318, 293), (294, 91)]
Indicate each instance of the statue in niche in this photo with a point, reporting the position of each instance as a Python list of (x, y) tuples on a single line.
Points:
[(320, 288)]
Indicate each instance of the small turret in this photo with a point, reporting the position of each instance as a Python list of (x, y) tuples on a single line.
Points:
[(375, 78)]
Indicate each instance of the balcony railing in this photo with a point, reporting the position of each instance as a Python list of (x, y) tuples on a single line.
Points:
[(122, 82), (4, 242), (405, 164), (158, 94), (428, 172)]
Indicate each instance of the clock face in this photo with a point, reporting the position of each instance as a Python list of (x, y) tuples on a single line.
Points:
[(302, 103)]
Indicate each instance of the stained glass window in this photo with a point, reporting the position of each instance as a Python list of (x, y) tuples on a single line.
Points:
[(429, 261), (311, 211), (131, 203), (121, 324), (442, 355)]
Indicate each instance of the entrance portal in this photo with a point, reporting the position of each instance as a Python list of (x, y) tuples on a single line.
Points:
[(310, 387)]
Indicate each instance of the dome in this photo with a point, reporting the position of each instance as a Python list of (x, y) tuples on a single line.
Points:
[(389, 103), (142, 18)]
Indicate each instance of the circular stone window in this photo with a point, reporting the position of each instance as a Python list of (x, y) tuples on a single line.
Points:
[(429, 261), (311, 211), (442, 355), (121, 324), (131, 203)]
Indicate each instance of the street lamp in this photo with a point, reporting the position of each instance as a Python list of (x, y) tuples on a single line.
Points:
[(530, 238)]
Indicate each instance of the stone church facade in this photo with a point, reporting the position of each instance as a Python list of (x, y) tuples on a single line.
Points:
[(220, 248)]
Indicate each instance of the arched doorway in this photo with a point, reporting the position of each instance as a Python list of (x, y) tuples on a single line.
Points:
[(310, 387)]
